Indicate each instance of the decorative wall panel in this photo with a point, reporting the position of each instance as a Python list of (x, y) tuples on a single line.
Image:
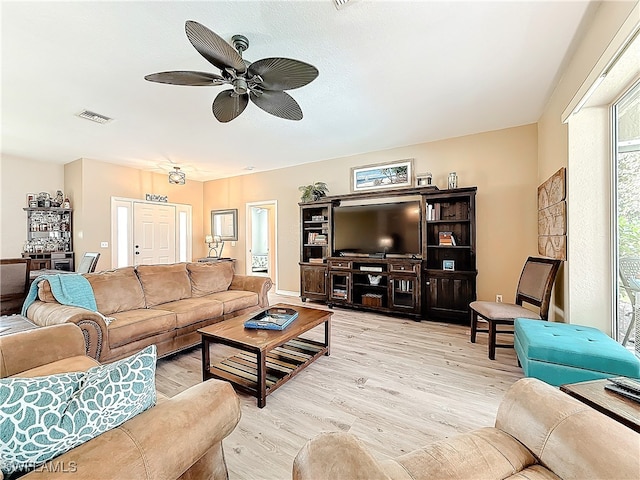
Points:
[(552, 216)]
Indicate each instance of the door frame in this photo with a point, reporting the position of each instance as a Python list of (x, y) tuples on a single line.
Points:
[(273, 247)]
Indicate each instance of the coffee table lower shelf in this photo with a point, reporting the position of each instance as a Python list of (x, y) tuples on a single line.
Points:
[(281, 364)]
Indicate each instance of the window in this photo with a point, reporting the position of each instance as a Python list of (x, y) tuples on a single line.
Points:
[(626, 114), (122, 230)]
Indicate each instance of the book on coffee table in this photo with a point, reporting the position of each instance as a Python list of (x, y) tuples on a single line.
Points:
[(272, 319)]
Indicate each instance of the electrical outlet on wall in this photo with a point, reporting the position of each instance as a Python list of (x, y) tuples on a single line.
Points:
[(104, 244), (499, 298)]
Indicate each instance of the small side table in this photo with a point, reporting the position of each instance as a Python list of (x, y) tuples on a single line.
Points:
[(15, 323), (618, 407)]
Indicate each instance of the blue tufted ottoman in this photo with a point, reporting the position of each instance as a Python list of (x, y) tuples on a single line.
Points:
[(560, 353)]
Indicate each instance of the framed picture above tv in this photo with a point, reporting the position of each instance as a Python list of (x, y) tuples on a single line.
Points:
[(382, 176)]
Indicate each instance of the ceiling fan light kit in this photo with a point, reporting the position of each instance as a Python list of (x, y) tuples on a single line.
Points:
[(263, 81)]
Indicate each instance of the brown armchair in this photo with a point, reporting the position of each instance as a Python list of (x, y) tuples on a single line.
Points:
[(539, 433), (179, 438)]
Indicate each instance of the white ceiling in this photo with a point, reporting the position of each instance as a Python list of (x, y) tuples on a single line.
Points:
[(392, 73)]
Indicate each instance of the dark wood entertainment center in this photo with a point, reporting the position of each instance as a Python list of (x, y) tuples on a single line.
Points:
[(438, 284)]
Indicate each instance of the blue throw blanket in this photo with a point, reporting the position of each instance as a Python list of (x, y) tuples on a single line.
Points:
[(68, 289)]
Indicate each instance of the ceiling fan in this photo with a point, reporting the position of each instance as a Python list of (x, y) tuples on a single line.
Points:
[(263, 82)]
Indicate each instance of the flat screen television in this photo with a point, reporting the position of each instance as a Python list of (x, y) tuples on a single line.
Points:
[(390, 228)]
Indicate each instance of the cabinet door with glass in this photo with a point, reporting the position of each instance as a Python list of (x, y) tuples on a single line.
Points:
[(404, 293), (339, 287)]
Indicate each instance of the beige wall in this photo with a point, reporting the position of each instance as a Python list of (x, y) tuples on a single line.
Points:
[(17, 178), (502, 164), (91, 184), (597, 38)]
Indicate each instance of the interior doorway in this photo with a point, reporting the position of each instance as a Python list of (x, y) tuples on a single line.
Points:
[(261, 255)]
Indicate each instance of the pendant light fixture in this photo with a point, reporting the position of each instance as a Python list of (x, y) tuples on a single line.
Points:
[(177, 177)]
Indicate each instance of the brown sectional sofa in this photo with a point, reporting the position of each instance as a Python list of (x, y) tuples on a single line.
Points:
[(163, 305)]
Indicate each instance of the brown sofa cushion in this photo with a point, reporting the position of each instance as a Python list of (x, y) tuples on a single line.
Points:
[(164, 283), (138, 324), (116, 290), (235, 300), (193, 310), (207, 278)]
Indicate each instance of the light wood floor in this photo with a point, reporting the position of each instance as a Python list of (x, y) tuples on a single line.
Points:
[(395, 383)]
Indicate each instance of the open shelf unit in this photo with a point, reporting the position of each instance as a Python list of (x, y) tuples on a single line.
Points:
[(315, 244), (450, 268), (49, 238)]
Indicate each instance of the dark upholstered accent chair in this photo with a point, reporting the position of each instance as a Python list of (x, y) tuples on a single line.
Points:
[(534, 288), (14, 284), (88, 263), (630, 277)]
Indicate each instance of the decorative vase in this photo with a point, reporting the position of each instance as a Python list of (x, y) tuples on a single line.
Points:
[(453, 180)]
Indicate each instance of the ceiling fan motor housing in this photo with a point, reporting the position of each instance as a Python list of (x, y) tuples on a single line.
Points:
[(240, 85)]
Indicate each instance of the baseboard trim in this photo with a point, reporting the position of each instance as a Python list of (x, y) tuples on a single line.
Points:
[(287, 293)]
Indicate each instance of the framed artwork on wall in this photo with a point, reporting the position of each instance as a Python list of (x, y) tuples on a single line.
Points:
[(382, 176)]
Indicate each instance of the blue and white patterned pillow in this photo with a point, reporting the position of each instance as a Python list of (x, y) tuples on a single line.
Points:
[(43, 417)]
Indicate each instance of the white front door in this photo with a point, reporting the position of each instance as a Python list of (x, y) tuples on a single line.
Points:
[(154, 234)]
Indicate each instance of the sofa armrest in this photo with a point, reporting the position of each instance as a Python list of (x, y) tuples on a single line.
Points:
[(92, 324), (334, 455), (33, 348), (557, 427), (161, 443), (250, 283)]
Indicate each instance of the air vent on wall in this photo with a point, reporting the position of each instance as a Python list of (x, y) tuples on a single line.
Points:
[(94, 117)]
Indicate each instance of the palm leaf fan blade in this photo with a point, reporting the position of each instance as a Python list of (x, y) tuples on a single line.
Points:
[(283, 73), (280, 104), (186, 78), (212, 47), (229, 105)]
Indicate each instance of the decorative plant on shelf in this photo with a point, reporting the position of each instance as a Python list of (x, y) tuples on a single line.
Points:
[(313, 192)]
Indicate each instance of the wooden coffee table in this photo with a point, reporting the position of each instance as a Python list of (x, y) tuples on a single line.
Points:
[(618, 407), (267, 358)]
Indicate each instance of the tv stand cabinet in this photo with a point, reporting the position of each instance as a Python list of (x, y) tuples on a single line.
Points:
[(437, 286), (390, 285)]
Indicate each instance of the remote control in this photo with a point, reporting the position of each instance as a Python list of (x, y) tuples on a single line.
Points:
[(628, 383)]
